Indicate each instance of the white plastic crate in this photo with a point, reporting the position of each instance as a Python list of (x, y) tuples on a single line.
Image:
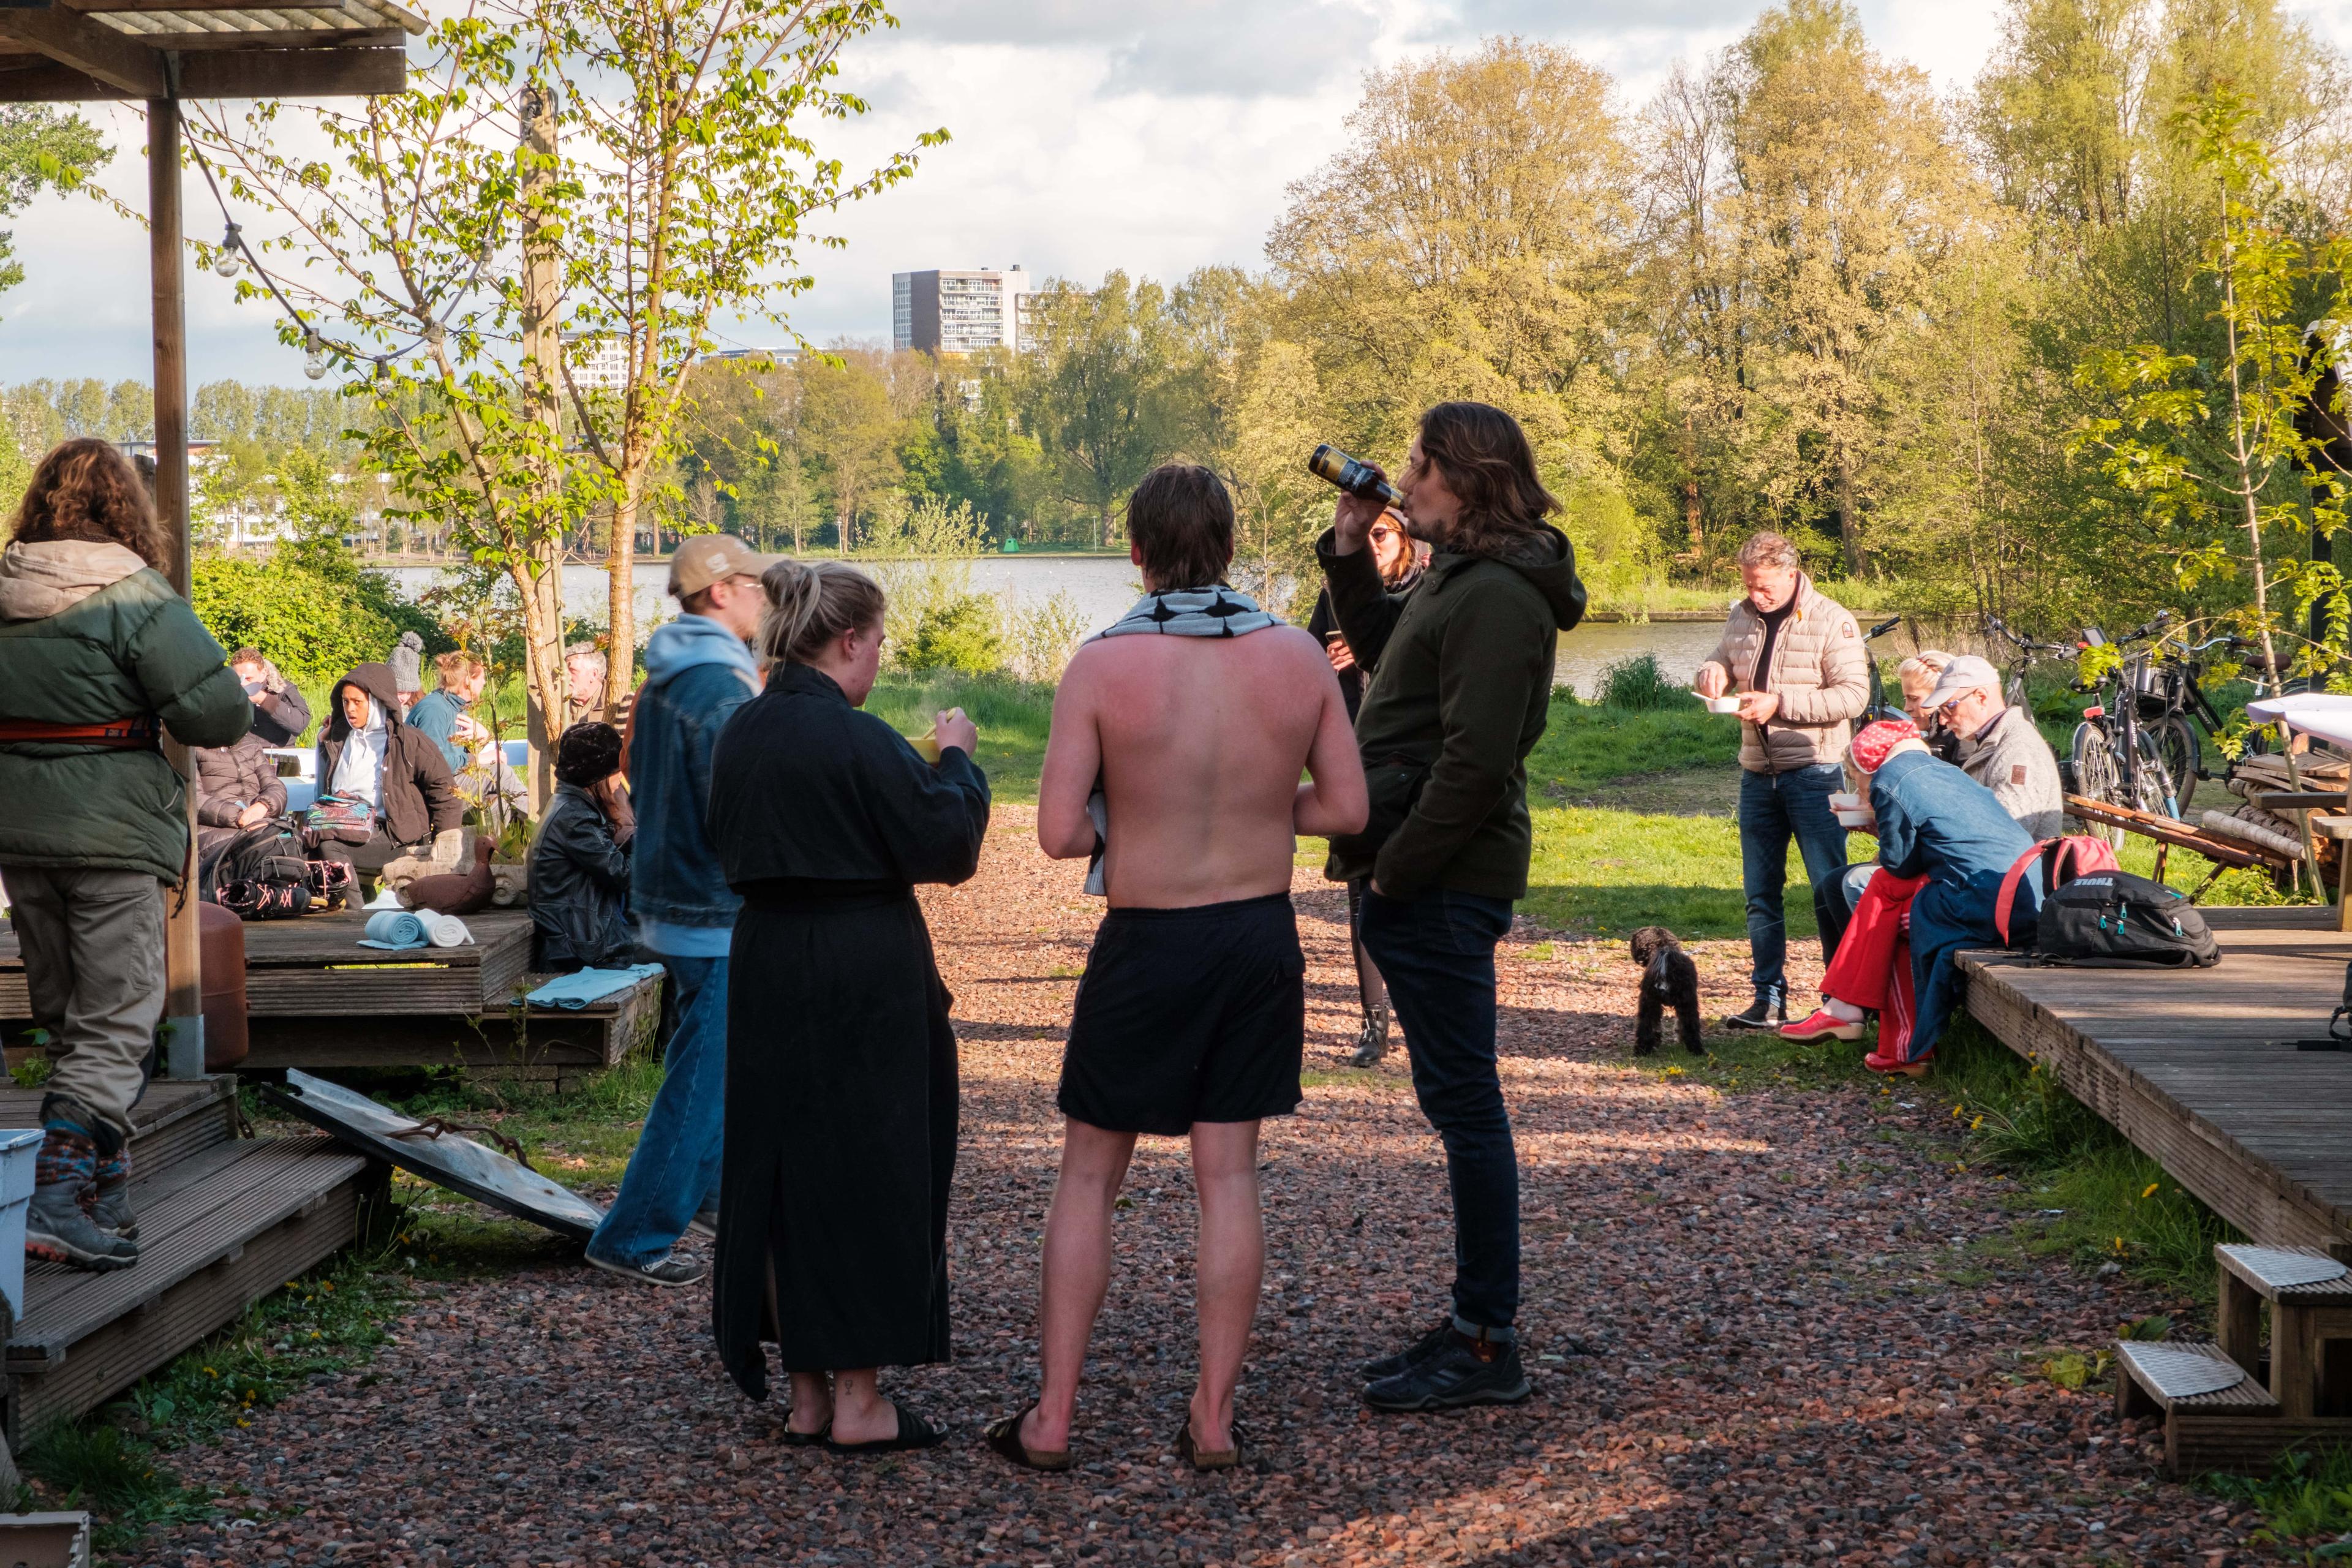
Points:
[(20, 1153)]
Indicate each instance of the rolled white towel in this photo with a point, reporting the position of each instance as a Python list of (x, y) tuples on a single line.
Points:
[(445, 931)]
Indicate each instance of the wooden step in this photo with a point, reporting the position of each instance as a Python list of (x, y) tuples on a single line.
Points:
[(2139, 1388), (175, 1118), (218, 1230)]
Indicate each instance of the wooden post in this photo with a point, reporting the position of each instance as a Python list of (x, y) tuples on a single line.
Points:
[(184, 976), (542, 343)]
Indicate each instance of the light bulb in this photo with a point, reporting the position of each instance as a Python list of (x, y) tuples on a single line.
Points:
[(229, 261), (314, 364)]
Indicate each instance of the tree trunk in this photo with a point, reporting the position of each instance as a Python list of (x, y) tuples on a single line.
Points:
[(1849, 525), (543, 349), (621, 601), (1690, 489)]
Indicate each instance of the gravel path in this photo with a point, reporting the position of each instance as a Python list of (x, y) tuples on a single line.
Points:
[(1744, 1313)]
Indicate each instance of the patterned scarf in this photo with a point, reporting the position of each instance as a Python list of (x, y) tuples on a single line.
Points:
[(1192, 612), (1183, 612)]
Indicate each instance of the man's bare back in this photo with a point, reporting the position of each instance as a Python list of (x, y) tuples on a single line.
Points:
[(1199, 743)]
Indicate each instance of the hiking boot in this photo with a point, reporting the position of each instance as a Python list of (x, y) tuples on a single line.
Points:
[(57, 1231), (107, 1200), (1411, 1356), (1372, 1040), (706, 1221), (1461, 1371), (1768, 1011), (669, 1269)]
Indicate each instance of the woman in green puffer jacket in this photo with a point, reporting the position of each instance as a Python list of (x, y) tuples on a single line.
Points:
[(99, 658)]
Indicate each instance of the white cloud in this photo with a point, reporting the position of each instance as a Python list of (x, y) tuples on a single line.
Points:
[(1154, 135)]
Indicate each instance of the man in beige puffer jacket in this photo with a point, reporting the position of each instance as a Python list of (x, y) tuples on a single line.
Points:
[(1795, 658)]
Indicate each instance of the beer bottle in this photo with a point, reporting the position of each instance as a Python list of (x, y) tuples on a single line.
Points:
[(1358, 478)]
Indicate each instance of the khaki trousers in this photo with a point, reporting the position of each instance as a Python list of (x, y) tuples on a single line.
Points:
[(93, 949)]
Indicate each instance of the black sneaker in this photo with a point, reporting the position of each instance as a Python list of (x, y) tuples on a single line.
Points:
[(1411, 1356), (1372, 1040), (1454, 1377), (1768, 1011), (669, 1269)]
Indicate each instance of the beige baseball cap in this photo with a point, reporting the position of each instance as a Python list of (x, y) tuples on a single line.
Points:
[(709, 558)]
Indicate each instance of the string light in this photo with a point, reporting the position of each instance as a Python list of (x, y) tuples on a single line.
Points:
[(314, 363), (230, 244)]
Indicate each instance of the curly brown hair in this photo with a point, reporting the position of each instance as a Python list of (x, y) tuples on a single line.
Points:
[(1489, 466), (87, 490)]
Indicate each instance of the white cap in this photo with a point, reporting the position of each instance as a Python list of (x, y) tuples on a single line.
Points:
[(1966, 673)]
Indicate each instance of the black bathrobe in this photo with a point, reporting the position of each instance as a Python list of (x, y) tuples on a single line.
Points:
[(841, 1066)]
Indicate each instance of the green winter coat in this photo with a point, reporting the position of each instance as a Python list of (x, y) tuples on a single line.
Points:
[(1461, 691), (89, 635)]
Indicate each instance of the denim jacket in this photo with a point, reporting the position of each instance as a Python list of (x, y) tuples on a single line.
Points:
[(674, 873)]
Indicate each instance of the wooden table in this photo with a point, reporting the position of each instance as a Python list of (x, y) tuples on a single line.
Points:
[(2198, 1068)]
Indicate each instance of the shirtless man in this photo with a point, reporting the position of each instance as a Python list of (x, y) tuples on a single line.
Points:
[(1193, 716)]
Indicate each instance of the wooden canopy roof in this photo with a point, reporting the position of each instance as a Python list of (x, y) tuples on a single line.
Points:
[(55, 51)]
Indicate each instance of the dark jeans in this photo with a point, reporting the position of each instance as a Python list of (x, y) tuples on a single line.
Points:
[(1773, 809), (1437, 954)]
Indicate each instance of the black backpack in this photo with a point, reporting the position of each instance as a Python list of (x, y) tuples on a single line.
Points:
[(270, 851), (2113, 920)]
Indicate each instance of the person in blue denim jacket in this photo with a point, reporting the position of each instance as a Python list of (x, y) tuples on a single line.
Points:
[(699, 671)]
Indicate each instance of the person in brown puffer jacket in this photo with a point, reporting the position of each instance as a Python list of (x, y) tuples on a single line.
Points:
[(367, 757), (237, 787), (1795, 657)]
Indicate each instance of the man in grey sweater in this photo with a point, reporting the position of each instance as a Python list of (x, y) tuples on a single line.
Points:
[(1999, 747)]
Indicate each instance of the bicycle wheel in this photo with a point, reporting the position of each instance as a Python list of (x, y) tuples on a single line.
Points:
[(2176, 742), (2153, 789), (2096, 777)]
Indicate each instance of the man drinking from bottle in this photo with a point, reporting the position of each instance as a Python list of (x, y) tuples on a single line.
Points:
[(1461, 690)]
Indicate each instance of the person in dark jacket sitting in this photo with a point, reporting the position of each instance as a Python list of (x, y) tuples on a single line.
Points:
[(580, 862), (392, 778), (237, 787), (280, 713)]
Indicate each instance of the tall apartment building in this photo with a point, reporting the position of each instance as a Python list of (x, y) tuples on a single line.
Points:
[(599, 360), (949, 311)]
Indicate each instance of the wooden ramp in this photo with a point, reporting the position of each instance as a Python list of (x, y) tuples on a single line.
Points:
[(2199, 1068), (316, 999), (224, 1220)]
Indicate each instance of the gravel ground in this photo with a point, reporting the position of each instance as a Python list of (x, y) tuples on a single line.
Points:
[(1754, 1340)]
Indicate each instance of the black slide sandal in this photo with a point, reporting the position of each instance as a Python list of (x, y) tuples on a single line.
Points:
[(792, 1439), (1005, 1437), (915, 1431)]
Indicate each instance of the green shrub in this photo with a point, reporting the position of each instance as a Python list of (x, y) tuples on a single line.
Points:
[(314, 623), (964, 634), (1637, 685)]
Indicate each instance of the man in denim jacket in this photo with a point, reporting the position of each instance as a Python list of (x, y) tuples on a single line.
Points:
[(699, 671)]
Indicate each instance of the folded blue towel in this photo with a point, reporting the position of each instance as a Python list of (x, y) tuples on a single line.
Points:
[(575, 991), (395, 930)]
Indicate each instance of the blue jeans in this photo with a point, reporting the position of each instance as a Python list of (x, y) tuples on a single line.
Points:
[(673, 1172), (1437, 954), (1774, 808)]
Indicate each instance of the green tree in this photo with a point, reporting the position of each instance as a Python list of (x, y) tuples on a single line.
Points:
[(40, 148), (1096, 393)]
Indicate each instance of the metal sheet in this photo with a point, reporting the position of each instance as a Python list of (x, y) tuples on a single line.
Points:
[(2179, 1373), (2283, 1269), (448, 1160)]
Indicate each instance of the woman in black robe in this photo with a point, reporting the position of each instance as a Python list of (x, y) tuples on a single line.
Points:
[(841, 1066)]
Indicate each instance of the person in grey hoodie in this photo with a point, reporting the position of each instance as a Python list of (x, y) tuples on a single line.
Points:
[(699, 671), (99, 659)]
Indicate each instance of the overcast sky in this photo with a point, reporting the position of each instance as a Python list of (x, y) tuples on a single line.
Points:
[(1154, 135)]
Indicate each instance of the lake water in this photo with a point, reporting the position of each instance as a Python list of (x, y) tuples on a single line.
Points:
[(1104, 588)]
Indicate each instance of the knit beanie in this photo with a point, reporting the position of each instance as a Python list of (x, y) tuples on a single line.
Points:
[(1870, 747), (408, 663)]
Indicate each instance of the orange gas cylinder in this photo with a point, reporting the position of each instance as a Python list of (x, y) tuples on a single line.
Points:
[(221, 938)]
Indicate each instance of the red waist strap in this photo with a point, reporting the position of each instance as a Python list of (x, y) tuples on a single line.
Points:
[(141, 734)]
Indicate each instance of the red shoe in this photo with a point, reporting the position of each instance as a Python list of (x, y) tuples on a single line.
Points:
[(1891, 1065), (1824, 1025)]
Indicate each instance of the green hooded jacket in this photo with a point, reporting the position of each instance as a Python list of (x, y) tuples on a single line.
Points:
[(90, 634), (1461, 691)]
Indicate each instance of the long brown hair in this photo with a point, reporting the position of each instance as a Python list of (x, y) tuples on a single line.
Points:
[(1488, 463), (87, 490)]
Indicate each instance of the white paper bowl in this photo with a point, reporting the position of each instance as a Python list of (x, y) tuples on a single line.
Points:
[(1855, 820), (1845, 800), (1721, 704)]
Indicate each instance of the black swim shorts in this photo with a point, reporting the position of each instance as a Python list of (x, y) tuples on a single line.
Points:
[(1185, 1015)]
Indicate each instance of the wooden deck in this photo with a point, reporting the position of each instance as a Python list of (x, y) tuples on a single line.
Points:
[(224, 1220), (316, 999), (2200, 1068)]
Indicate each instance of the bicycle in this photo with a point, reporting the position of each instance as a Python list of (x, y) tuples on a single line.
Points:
[(1879, 707)]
